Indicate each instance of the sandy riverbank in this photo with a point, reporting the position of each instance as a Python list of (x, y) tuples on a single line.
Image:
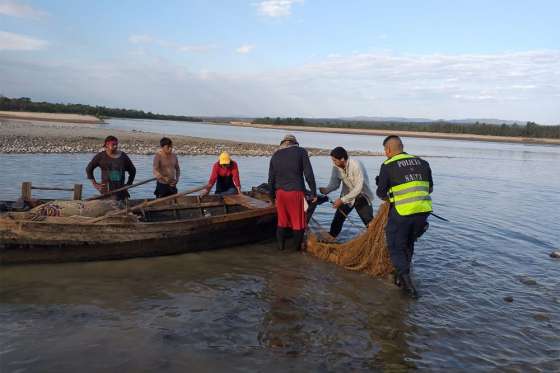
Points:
[(23, 136), (50, 117), (430, 135)]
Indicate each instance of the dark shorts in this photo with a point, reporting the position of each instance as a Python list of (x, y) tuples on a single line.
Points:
[(164, 190)]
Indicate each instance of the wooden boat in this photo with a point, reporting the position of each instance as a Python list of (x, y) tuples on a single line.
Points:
[(185, 224)]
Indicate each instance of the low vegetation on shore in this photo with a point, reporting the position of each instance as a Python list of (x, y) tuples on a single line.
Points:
[(25, 104), (529, 130)]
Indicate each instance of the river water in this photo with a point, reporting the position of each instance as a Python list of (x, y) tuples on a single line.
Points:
[(252, 308)]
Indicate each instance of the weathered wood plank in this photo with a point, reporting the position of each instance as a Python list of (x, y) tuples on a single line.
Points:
[(245, 200)]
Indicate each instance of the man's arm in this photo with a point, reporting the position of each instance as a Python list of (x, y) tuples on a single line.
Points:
[(358, 176), (92, 165), (271, 180), (129, 167), (235, 173), (430, 179), (213, 177), (177, 169), (334, 182), (156, 168), (308, 173), (383, 183)]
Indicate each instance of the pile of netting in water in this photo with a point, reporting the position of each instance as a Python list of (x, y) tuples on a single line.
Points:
[(367, 253)]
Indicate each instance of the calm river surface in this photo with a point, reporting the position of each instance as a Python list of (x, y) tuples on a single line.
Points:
[(252, 308)]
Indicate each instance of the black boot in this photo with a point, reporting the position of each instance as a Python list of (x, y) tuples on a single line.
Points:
[(408, 286), (298, 239), (281, 238)]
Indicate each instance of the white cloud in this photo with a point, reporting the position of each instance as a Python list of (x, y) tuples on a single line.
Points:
[(17, 42), (245, 48), (202, 48), (448, 86), (276, 8), (16, 9), (142, 39)]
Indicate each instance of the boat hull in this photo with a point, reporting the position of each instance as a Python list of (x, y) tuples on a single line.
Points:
[(46, 242)]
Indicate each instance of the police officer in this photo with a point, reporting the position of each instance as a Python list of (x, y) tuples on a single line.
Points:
[(406, 182)]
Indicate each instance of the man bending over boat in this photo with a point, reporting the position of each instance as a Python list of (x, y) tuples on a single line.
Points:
[(288, 166), (166, 169), (225, 174), (113, 164)]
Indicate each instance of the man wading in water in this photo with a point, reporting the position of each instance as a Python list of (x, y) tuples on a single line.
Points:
[(355, 193), (288, 166), (166, 169), (406, 182), (113, 164)]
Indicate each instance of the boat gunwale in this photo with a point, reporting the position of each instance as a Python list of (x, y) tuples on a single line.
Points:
[(218, 218)]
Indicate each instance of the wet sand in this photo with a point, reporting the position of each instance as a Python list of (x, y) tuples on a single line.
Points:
[(25, 136), (430, 135)]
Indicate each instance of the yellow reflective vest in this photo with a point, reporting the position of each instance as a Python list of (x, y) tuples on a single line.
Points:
[(412, 196)]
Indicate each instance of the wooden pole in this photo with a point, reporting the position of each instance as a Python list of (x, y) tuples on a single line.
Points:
[(26, 191), (77, 192), (53, 188), (120, 189), (148, 204)]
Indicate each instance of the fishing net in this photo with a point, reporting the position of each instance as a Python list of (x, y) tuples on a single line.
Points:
[(76, 207), (367, 253)]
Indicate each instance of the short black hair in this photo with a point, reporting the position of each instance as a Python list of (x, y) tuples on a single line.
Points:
[(109, 138), (390, 137), (165, 141), (339, 153)]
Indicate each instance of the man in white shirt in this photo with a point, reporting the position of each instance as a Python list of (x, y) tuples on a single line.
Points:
[(356, 192)]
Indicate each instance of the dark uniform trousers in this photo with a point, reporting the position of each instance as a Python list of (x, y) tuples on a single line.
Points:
[(401, 232), (363, 208)]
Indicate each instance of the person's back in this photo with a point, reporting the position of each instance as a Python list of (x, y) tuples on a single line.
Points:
[(288, 166)]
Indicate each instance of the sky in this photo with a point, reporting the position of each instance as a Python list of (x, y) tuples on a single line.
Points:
[(305, 58)]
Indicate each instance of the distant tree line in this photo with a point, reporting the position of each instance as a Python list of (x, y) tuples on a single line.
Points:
[(530, 129), (25, 104), (285, 121)]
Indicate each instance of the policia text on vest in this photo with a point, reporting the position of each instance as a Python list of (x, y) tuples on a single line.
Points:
[(410, 180)]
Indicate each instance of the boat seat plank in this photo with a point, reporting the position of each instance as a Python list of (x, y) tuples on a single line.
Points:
[(244, 200)]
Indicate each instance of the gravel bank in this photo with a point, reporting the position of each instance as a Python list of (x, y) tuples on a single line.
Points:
[(18, 136)]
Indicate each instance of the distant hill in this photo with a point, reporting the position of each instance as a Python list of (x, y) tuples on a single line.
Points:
[(385, 119), (426, 120)]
